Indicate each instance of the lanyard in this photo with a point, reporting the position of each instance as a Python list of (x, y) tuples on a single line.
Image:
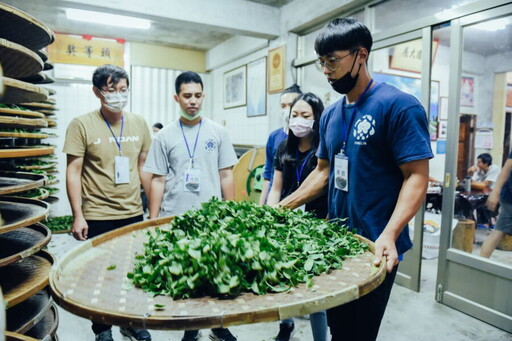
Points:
[(191, 155), (111, 131), (344, 128), (298, 172)]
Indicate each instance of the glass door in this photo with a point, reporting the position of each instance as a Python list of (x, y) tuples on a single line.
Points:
[(478, 140), (404, 62)]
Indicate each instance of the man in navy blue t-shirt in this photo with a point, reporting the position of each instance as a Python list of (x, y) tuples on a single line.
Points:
[(372, 160), (276, 137)]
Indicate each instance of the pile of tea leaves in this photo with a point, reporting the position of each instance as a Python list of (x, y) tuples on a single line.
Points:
[(227, 247)]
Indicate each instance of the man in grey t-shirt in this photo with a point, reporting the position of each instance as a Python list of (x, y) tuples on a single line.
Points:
[(191, 160)]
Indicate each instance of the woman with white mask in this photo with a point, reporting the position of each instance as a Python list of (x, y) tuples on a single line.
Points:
[(294, 160)]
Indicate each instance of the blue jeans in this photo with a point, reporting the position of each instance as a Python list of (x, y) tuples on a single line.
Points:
[(318, 325)]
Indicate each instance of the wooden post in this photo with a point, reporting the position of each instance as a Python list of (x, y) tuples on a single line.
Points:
[(463, 235)]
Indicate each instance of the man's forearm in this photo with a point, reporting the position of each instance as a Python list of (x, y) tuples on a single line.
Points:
[(227, 185), (156, 194), (264, 191), (74, 191), (314, 186), (145, 180)]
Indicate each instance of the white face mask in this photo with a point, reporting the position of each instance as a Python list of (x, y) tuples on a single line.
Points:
[(285, 118), (300, 126), (188, 117), (115, 102)]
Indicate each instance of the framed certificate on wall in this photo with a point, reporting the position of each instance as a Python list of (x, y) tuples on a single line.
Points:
[(276, 69)]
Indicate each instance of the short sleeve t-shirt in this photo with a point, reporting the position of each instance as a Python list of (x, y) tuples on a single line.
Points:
[(294, 173), (491, 175), (169, 156), (389, 129), (274, 140), (88, 136)]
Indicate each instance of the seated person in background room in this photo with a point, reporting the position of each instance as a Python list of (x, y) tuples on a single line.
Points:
[(483, 177), (484, 174)]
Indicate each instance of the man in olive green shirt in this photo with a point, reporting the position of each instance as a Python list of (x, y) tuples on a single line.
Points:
[(106, 150)]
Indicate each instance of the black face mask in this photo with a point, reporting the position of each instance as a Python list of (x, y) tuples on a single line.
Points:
[(346, 83)]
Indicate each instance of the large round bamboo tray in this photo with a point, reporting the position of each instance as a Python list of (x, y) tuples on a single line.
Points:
[(27, 314), (46, 168), (46, 328), (24, 29), (20, 212), (23, 243), (39, 78), (25, 278), (14, 182), (47, 66), (51, 122), (10, 336), (43, 194), (42, 54), (18, 112), (23, 135), (81, 284), (2, 314), (53, 200), (18, 61), (18, 122), (18, 92), (244, 174), (26, 152), (38, 105), (47, 112)]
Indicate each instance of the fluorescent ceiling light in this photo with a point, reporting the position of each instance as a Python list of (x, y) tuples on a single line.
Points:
[(107, 19), (493, 25)]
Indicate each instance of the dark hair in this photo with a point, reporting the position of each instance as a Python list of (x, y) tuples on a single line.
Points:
[(294, 89), (186, 78), (158, 125), (486, 158), (343, 34), (292, 142), (103, 73)]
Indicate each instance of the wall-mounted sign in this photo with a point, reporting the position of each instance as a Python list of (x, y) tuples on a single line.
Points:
[(407, 56), (86, 50)]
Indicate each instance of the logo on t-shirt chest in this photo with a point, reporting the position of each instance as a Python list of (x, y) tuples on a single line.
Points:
[(210, 145), (363, 129)]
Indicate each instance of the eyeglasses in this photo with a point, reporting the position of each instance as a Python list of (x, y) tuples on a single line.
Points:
[(112, 91), (331, 64)]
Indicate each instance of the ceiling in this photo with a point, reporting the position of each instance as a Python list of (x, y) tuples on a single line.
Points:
[(169, 28)]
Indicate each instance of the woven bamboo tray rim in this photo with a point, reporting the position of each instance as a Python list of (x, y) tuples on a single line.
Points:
[(81, 284), (47, 112), (10, 336), (42, 54), (25, 278), (18, 61), (47, 326), (23, 122), (46, 168), (44, 194), (15, 182), (24, 28), (27, 314), (17, 112), (26, 152), (21, 212), (38, 105), (23, 135), (23, 242), (51, 122), (16, 92)]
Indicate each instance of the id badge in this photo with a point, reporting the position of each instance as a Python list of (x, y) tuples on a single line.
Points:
[(122, 170), (192, 180), (341, 172)]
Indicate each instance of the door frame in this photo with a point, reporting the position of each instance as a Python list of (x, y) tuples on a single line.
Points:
[(477, 286)]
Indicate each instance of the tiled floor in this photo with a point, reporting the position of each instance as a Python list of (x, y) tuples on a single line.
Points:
[(409, 316)]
